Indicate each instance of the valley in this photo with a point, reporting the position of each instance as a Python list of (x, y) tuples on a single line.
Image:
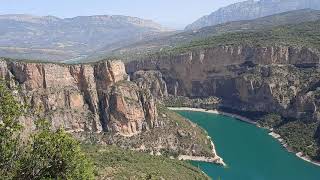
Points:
[(136, 100), (249, 151)]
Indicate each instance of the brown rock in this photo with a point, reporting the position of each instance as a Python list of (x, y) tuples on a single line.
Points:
[(77, 97), (245, 78)]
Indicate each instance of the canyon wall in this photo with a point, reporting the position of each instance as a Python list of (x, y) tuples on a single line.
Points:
[(277, 79), (98, 103), (81, 98)]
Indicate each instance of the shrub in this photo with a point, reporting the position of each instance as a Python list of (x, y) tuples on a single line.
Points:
[(46, 155), (10, 111)]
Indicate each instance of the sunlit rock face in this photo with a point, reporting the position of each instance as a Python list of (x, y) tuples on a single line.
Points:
[(79, 98), (152, 80), (279, 79)]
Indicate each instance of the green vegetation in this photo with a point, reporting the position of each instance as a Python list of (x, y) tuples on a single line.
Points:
[(181, 101), (193, 133), (48, 154), (54, 155), (296, 35), (270, 120), (113, 162), (299, 135), (148, 47), (302, 35), (27, 60), (174, 136), (45, 154), (10, 110)]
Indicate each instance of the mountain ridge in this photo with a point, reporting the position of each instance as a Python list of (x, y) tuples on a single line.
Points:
[(251, 9), (169, 42), (72, 37), (131, 19)]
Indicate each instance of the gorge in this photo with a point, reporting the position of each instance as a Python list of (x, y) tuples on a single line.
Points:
[(97, 103), (131, 111), (267, 76), (249, 151)]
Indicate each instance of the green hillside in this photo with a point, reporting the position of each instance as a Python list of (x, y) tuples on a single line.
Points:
[(232, 32), (301, 35), (115, 163)]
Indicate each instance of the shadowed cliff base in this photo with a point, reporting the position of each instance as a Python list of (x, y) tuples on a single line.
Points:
[(255, 74), (98, 103)]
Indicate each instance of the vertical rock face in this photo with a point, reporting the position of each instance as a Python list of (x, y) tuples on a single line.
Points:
[(152, 80), (131, 109), (88, 100), (80, 98), (266, 79)]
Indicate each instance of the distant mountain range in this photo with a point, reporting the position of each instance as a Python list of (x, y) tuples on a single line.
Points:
[(56, 39), (252, 9), (166, 42), (90, 38)]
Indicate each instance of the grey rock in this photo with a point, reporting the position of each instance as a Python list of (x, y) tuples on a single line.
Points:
[(252, 9)]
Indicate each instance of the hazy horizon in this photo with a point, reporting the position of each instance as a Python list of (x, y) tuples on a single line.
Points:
[(173, 14)]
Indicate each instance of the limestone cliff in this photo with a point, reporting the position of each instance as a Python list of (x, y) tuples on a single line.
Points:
[(152, 80), (83, 97), (279, 79), (98, 103)]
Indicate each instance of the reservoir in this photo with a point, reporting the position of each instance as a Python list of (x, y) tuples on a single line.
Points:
[(249, 152)]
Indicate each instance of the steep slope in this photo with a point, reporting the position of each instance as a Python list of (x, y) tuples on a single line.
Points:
[(167, 42), (252, 9), (97, 103), (253, 74), (115, 163), (52, 38)]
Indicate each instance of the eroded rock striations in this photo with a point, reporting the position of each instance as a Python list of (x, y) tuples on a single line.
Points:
[(83, 97), (152, 80), (98, 103), (278, 79)]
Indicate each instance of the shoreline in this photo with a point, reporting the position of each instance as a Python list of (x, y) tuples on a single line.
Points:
[(216, 159), (244, 119), (247, 120), (285, 145)]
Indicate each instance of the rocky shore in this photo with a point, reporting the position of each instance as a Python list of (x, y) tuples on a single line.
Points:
[(285, 145), (217, 159), (244, 119)]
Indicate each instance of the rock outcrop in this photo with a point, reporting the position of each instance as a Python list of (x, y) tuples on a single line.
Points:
[(131, 109), (83, 97), (98, 103), (152, 80), (263, 79)]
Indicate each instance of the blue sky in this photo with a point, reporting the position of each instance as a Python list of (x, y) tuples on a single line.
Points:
[(174, 13)]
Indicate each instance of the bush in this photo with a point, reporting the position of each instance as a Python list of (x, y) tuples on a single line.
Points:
[(54, 155), (10, 111), (46, 155)]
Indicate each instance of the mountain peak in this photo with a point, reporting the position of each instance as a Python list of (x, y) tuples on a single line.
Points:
[(252, 9), (59, 39), (28, 18)]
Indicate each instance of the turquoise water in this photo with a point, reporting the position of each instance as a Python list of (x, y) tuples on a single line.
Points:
[(251, 154)]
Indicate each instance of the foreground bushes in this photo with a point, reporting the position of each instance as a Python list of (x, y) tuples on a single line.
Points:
[(45, 155)]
